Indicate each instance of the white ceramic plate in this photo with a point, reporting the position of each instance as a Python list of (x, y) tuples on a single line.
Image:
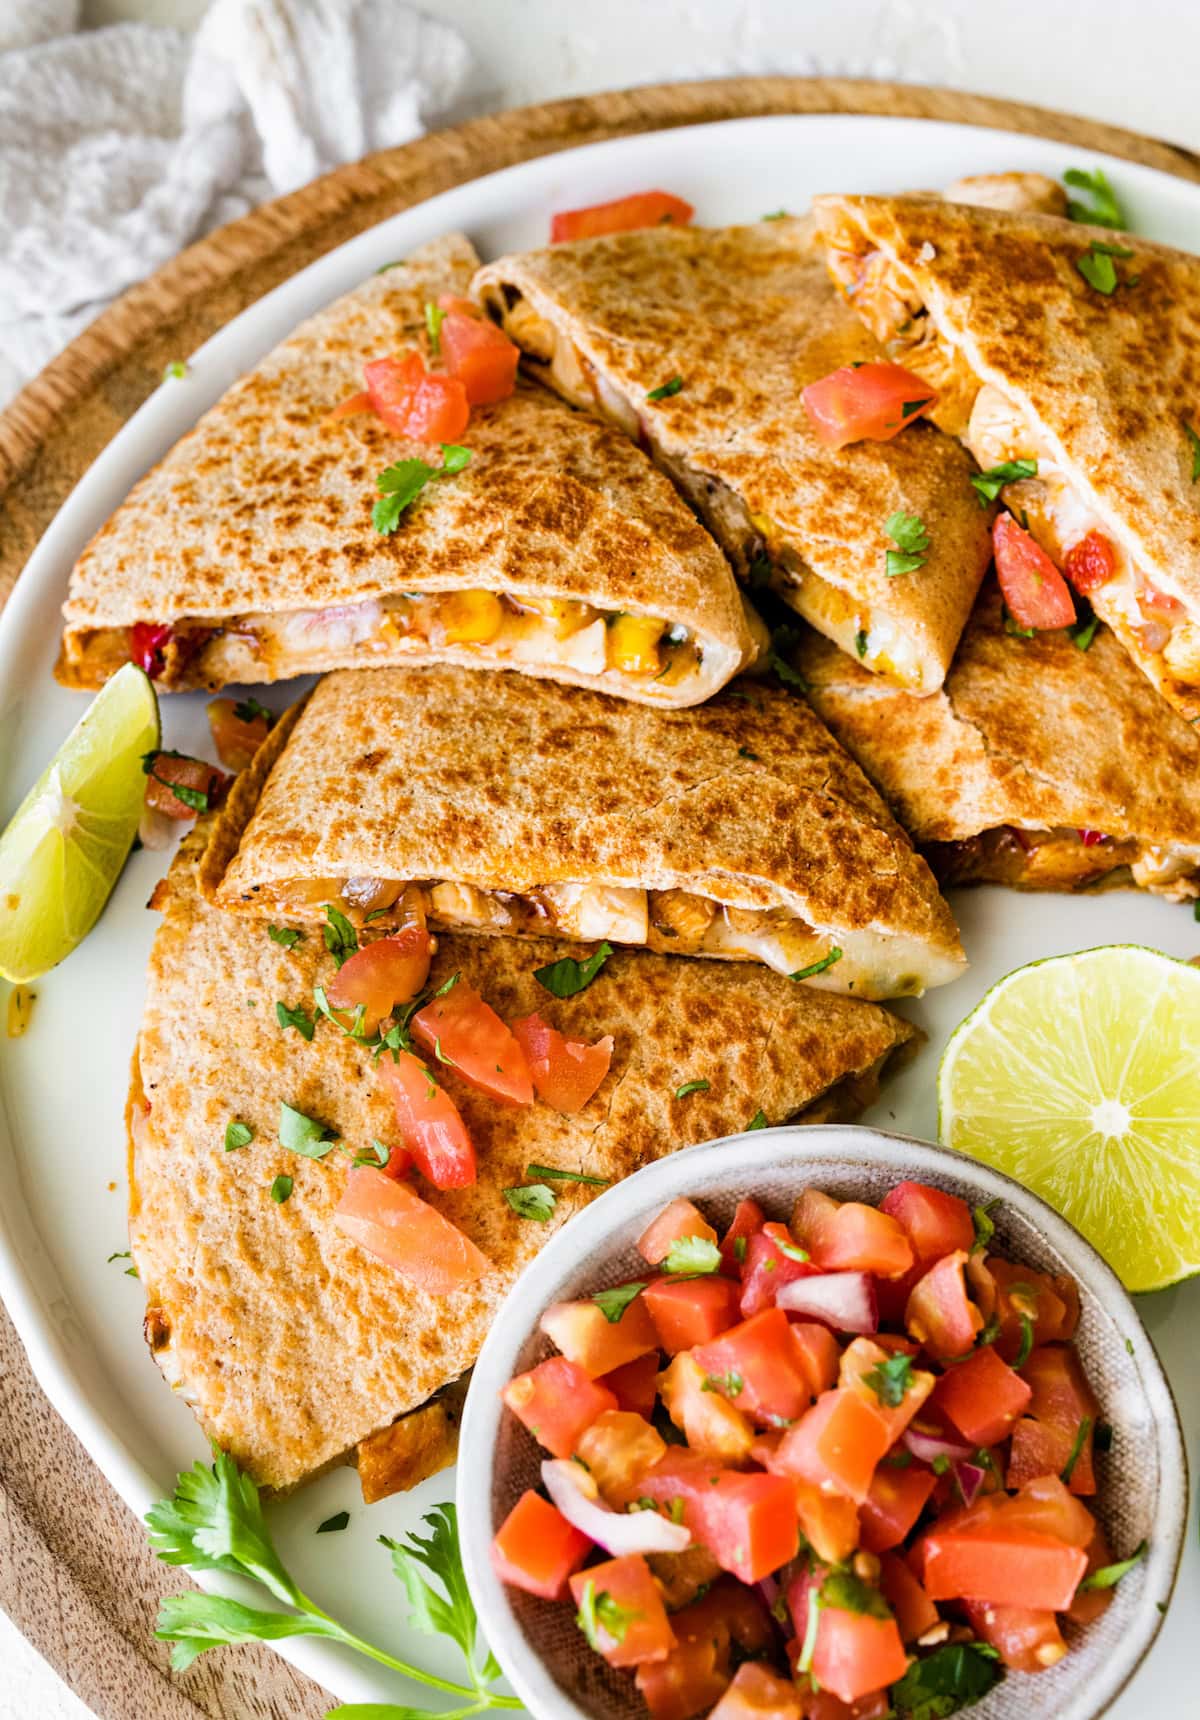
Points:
[(62, 1087)]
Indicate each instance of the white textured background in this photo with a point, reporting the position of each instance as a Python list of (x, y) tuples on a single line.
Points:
[(1136, 65)]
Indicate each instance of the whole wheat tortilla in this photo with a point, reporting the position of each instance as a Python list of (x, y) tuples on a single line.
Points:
[(745, 317), (508, 784), (265, 508), (289, 1342)]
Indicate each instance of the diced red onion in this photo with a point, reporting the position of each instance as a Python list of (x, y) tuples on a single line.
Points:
[(618, 1532), (928, 1447), (844, 1300), (970, 1479), (1091, 838)]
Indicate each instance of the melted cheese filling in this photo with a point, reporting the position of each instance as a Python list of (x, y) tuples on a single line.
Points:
[(673, 922)]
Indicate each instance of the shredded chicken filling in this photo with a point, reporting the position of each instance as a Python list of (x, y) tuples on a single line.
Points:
[(1063, 859)]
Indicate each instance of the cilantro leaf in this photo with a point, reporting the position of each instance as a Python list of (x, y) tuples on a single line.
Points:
[(196, 1622), (454, 457), (1083, 629), (1081, 1433), (214, 1522), (1109, 1575), (175, 371), (861, 639), (435, 316), (984, 1228), (301, 1134), (550, 1173), (757, 1121), (782, 640), (835, 955), (1101, 208), (692, 1254), (691, 1087), (729, 1385), (848, 1593), (534, 1201), (400, 485), (249, 710), (891, 1379), (1194, 441), (284, 935), (567, 977), (1022, 1355), (297, 1018), (600, 1612), (988, 485), (332, 1525), (613, 1303), (954, 1676), (1013, 628), (666, 389), (237, 1135), (1098, 269), (341, 940), (912, 544), (281, 1190)]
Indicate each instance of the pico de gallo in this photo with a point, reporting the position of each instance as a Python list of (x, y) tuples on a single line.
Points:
[(828, 1469)]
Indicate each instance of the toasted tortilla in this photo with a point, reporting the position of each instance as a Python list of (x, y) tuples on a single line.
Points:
[(290, 1343), (745, 319), (254, 538), (1037, 765), (527, 809), (1033, 361)]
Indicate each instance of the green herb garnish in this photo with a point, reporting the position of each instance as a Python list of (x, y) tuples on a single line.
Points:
[(860, 641), (599, 1612), (835, 955), (666, 389), (567, 977), (284, 935), (891, 1379), (175, 371), (435, 316), (1083, 629), (1109, 1575), (550, 1173), (740, 1246), (237, 1135), (1101, 208), (691, 1087), (331, 1525), (1194, 440), (341, 940), (783, 639), (694, 1255), (988, 485), (1068, 1468), (912, 544), (297, 1018), (953, 1677), (757, 1121), (401, 484), (1098, 269), (533, 1200), (196, 799), (301, 1134), (613, 1303), (281, 1189), (729, 1384), (1022, 1355), (984, 1228), (1013, 627)]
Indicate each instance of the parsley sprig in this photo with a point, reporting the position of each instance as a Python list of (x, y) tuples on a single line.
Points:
[(907, 532), (988, 485), (401, 484), (955, 1676), (567, 977), (215, 1522)]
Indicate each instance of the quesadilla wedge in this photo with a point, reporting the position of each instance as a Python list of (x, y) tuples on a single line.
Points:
[(737, 830), (1069, 352), (251, 553), (287, 1339), (699, 342), (1038, 765)]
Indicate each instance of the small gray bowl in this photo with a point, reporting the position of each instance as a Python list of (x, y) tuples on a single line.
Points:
[(1143, 1479)]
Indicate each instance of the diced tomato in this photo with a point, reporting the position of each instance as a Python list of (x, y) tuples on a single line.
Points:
[(866, 402), (768, 1267), (148, 644), (351, 406), (618, 1449), (392, 1222), (935, 1222), (759, 1367), (847, 1236), (381, 975), (690, 1311), (1037, 1448), (1090, 563), (481, 356), (940, 1315), (1026, 1640), (428, 406), (687, 1682), (982, 1397), (466, 1033), (464, 307), (427, 1117), (836, 1445), (1014, 1296), (238, 730), (757, 1693), (747, 1521), (622, 215), (595, 1343), (681, 1218), (828, 1521), (167, 771), (856, 1653), (819, 1354), (630, 1585), (1063, 1400), (557, 1402), (565, 1072), (893, 1503), (635, 1384), (730, 1613), (1043, 1505), (915, 1612), (999, 1562), (747, 1218), (1035, 591), (536, 1549), (709, 1423), (863, 1366)]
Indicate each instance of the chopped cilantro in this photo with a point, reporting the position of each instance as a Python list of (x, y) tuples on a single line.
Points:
[(1109, 1575), (566, 977), (331, 1525), (301, 1134), (341, 940), (775, 215), (1013, 627), (744, 752), (304, 1024), (691, 1087), (848, 1593), (835, 955), (281, 1189), (759, 1120), (613, 1303), (284, 935), (1083, 629), (249, 711), (551, 1173), (791, 1251), (121, 1254), (912, 544), (759, 572), (954, 1676), (891, 1379), (195, 798), (782, 640), (1022, 1355), (237, 1135), (940, 1464), (175, 371), (401, 484), (740, 1246), (435, 316), (694, 1255), (984, 1228), (600, 1612), (860, 641), (1101, 208), (665, 390), (988, 485), (1098, 269), (1081, 1433), (1194, 441), (729, 1384), (534, 1201)]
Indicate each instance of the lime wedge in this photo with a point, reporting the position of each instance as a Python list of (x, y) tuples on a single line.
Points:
[(71, 835), (1080, 1077)]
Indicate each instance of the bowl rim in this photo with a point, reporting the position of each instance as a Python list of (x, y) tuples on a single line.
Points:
[(758, 1152)]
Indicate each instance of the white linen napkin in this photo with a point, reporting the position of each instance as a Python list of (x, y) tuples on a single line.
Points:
[(119, 146)]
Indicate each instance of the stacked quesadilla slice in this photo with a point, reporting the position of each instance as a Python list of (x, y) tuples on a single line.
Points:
[(738, 830), (548, 544), (1066, 357), (699, 343)]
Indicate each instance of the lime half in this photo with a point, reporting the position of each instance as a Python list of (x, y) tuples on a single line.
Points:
[(71, 835), (1080, 1077)]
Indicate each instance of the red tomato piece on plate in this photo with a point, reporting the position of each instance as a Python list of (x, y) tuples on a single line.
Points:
[(856, 1653), (677, 1220), (758, 1366), (566, 1072), (588, 1338), (536, 1549), (690, 1311), (466, 1033), (686, 1683), (392, 1222), (850, 1237), (982, 1397), (819, 1354), (382, 975), (1035, 591), (619, 1448), (481, 356), (1063, 1400), (629, 1585), (1090, 563), (940, 1315), (557, 1402), (866, 402), (622, 215), (709, 1423), (426, 405), (201, 783), (429, 1122)]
